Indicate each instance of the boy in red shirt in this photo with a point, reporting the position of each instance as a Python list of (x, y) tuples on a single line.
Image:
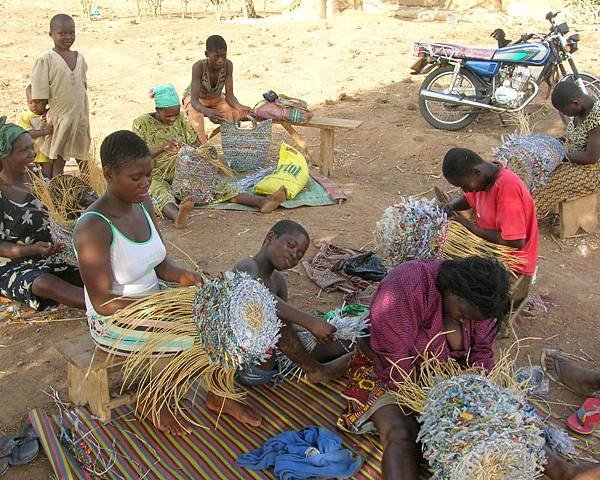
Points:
[(503, 205)]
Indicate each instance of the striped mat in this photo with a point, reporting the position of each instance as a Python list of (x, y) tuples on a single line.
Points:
[(133, 449)]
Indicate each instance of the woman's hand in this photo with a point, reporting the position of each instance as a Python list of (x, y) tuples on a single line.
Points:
[(44, 249), (172, 145), (189, 278)]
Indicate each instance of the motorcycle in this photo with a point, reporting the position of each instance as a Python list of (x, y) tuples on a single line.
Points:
[(464, 82)]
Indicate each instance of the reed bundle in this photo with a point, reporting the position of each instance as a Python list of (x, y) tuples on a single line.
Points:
[(63, 197), (461, 243), (226, 324), (94, 176)]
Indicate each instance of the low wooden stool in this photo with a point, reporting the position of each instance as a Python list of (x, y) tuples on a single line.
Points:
[(576, 213), (87, 375)]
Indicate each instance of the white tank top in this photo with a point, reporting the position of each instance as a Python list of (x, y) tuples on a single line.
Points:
[(132, 263)]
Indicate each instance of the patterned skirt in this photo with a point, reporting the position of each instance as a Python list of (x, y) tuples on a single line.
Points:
[(365, 394), (17, 277), (567, 181)]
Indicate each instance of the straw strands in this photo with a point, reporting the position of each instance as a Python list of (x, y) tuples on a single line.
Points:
[(349, 328), (64, 198), (229, 322), (461, 243)]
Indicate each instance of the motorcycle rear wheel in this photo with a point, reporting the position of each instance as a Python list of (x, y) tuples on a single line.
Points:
[(442, 115)]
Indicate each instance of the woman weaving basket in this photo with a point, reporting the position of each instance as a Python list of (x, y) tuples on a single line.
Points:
[(165, 131), (579, 174), (450, 309), (28, 273), (121, 254)]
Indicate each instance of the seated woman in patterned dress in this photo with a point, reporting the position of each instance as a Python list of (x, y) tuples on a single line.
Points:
[(579, 174), (28, 273)]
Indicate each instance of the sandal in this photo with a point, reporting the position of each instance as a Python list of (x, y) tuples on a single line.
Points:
[(557, 353), (18, 450), (585, 419)]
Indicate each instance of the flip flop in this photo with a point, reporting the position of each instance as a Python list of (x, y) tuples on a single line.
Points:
[(557, 353), (18, 450), (585, 419)]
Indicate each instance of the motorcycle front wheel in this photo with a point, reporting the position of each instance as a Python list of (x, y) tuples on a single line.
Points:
[(447, 116), (592, 85)]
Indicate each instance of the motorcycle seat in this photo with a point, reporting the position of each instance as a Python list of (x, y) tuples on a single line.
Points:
[(463, 52)]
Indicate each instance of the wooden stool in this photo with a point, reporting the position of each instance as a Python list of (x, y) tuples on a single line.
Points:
[(87, 375), (576, 213)]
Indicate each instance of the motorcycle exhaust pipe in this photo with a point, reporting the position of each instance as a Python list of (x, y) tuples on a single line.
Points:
[(456, 100)]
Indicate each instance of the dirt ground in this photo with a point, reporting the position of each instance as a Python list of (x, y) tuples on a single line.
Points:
[(354, 66)]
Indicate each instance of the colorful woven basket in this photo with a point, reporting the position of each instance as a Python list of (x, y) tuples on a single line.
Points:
[(194, 176), (532, 157), (246, 149), (472, 429)]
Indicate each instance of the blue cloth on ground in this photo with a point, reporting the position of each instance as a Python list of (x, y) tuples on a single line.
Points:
[(299, 455)]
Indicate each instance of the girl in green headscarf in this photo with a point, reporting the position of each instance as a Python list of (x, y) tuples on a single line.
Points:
[(28, 274), (166, 130)]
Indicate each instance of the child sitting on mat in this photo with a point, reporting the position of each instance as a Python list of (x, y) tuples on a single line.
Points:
[(282, 249), (204, 97)]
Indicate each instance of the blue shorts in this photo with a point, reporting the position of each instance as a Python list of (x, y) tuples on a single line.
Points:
[(255, 376)]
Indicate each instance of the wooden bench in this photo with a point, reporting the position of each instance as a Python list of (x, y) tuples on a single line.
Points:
[(576, 213), (88, 370), (327, 126)]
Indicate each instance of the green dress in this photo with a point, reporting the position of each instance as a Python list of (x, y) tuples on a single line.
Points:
[(155, 134)]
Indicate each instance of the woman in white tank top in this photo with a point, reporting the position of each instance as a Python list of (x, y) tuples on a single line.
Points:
[(121, 253)]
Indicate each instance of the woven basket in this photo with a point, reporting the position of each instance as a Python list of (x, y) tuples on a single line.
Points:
[(246, 149), (64, 235), (194, 176)]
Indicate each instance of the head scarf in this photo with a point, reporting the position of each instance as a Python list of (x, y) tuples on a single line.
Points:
[(164, 96), (8, 134)]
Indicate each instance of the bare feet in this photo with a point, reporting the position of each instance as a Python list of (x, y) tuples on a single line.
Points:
[(165, 421), (579, 379), (274, 200), (330, 370), (242, 413), (185, 207)]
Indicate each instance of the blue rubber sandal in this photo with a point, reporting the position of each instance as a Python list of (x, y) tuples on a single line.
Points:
[(26, 447)]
